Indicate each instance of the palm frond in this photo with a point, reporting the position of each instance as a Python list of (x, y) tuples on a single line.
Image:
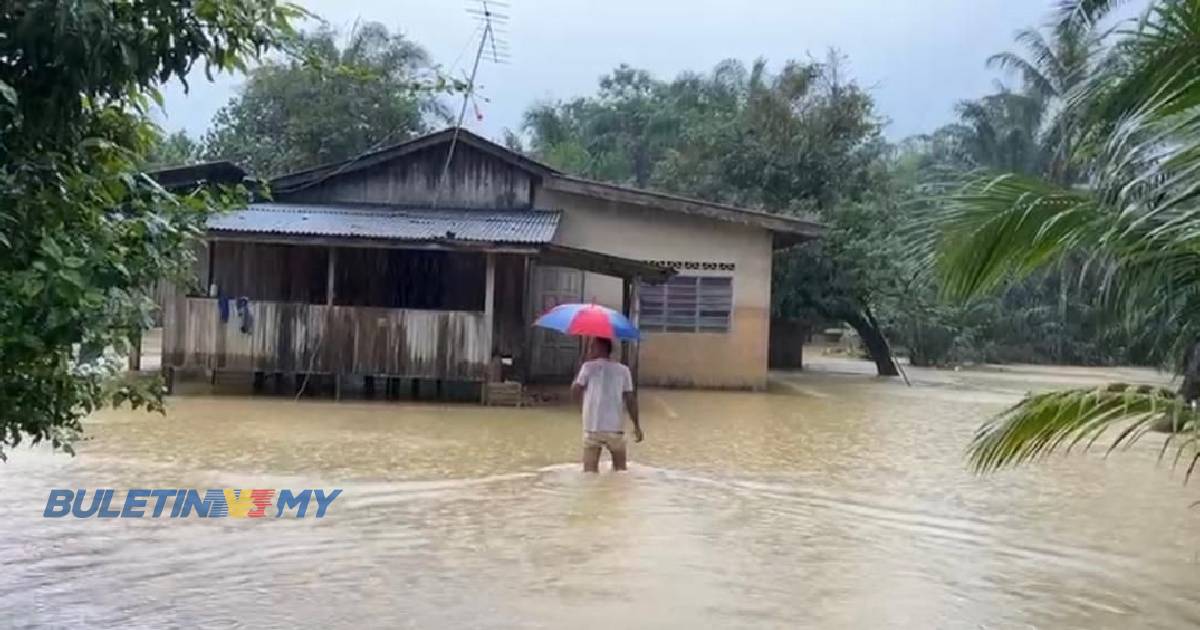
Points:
[(1134, 130), (998, 227), (1083, 12), (1036, 81), (1045, 423), (1153, 70)]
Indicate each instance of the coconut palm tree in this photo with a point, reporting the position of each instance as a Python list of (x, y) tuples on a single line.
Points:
[(1137, 217), (1001, 132), (1054, 64)]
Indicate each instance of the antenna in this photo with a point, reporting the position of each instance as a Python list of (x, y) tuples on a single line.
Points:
[(491, 21)]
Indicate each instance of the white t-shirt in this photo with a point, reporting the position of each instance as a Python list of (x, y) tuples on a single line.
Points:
[(604, 383)]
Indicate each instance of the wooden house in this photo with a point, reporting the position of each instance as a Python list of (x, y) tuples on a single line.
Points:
[(402, 263)]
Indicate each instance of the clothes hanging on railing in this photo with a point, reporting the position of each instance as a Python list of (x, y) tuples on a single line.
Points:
[(243, 310)]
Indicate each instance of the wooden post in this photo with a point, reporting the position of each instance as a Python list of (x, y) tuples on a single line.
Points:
[(329, 277), (626, 290), (629, 308), (135, 352), (212, 256), (527, 315), (337, 377), (635, 308), (489, 316)]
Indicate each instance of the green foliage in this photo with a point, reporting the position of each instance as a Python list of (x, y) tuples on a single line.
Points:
[(177, 149), (1000, 132), (1137, 219), (328, 102), (83, 234), (1007, 140), (1044, 423), (619, 135)]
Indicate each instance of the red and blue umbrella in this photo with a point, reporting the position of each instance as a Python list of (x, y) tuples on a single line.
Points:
[(588, 320)]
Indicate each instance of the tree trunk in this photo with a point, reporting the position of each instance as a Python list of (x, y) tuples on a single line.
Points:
[(877, 346), (1189, 390)]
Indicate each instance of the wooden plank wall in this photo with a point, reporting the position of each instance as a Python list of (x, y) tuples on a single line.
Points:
[(475, 180), (407, 278), (511, 325), (195, 283), (297, 338), (267, 271)]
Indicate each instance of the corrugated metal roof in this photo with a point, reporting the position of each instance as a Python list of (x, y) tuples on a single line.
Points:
[(494, 226)]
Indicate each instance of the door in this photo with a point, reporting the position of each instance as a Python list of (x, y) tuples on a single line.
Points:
[(555, 355)]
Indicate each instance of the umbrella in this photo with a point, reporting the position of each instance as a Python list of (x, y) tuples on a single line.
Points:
[(588, 320)]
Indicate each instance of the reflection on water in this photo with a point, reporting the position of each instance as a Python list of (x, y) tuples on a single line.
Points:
[(833, 501)]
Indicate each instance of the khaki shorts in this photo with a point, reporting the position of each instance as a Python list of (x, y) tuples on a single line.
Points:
[(613, 441)]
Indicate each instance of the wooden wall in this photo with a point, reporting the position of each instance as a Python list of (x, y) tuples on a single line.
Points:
[(387, 278), (511, 325), (399, 278), (265, 271), (410, 313), (475, 180), (295, 338)]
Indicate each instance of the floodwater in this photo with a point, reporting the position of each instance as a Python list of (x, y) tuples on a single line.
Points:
[(833, 501)]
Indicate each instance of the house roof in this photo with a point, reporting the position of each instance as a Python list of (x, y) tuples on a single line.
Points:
[(787, 229), (312, 176), (792, 229), (390, 222), (221, 172)]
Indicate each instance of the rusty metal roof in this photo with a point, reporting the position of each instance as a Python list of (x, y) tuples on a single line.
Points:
[(391, 222)]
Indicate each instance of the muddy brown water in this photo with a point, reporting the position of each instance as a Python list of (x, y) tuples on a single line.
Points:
[(832, 501)]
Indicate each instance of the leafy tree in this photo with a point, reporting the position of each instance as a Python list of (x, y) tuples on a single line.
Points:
[(618, 135), (82, 232), (328, 103), (852, 275), (176, 149), (1137, 218)]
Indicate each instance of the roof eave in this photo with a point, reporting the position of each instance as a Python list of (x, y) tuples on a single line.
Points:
[(216, 172), (792, 229), (343, 240), (607, 264)]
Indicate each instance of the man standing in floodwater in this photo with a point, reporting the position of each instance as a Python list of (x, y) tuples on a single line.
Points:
[(605, 384)]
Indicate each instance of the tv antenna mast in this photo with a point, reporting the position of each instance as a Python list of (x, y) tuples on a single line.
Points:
[(491, 25)]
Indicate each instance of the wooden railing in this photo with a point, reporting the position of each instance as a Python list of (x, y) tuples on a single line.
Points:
[(293, 338)]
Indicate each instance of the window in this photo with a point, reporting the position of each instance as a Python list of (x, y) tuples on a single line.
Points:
[(686, 304)]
